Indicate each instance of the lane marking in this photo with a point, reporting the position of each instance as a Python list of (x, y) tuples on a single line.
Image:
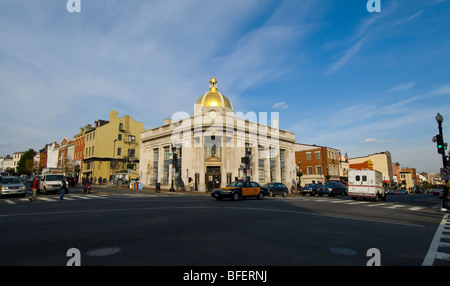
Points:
[(433, 250)]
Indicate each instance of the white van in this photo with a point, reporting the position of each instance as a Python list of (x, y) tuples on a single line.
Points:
[(51, 182), (366, 184)]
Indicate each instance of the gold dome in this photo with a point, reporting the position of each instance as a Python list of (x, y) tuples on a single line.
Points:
[(213, 98)]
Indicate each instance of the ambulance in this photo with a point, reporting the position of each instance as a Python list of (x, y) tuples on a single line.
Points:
[(366, 184)]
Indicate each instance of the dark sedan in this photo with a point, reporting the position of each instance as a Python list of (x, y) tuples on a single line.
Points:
[(310, 189), (272, 189), (238, 190), (332, 189)]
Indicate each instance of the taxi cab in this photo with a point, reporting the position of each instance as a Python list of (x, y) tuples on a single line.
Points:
[(237, 190)]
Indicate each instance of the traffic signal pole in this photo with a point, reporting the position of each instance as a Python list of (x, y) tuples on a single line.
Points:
[(441, 150)]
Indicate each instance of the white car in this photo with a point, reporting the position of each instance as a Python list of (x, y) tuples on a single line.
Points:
[(11, 185)]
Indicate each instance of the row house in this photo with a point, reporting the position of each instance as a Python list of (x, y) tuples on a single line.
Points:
[(109, 148), (56, 155), (381, 162), (318, 164)]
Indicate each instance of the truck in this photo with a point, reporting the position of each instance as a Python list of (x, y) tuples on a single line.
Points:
[(51, 180), (366, 184)]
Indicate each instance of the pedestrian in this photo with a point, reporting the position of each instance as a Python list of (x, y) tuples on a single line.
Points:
[(63, 188), (191, 184), (34, 188)]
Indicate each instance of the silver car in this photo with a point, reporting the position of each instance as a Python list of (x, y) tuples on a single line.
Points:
[(11, 185)]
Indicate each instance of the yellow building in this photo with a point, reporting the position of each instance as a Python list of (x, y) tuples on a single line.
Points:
[(112, 148)]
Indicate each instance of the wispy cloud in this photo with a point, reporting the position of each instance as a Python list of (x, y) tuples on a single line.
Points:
[(280, 105), (377, 141), (348, 55), (402, 86)]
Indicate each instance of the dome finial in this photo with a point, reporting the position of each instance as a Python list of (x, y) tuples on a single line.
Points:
[(213, 84)]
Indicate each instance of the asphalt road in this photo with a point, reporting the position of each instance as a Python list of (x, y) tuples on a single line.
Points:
[(130, 227)]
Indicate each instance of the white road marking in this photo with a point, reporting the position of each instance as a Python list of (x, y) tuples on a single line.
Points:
[(433, 250)]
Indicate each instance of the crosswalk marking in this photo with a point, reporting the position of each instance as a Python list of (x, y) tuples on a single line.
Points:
[(433, 252), (10, 202)]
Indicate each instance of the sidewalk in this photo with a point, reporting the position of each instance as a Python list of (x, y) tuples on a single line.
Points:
[(144, 190)]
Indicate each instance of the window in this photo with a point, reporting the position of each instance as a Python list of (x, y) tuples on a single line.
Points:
[(119, 151), (131, 153), (282, 165), (364, 178), (319, 170), (119, 137), (309, 169), (308, 155), (261, 169), (357, 178), (317, 154), (131, 138), (155, 165)]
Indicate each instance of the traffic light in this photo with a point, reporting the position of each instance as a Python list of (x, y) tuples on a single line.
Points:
[(440, 144)]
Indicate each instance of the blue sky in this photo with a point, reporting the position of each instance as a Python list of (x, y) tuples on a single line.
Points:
[(338, 75)]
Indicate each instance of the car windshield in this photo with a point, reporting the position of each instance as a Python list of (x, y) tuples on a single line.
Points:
[(268, 185), (11, 181), (54, 177), (328, 184), (309, 185), (235, 184)]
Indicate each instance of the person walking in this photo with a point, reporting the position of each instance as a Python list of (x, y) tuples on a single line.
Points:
[(34, 188), (63, 188)]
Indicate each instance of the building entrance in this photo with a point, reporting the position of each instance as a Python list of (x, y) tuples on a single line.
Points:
[(213, 179)]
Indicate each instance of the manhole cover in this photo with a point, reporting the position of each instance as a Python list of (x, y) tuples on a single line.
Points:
[(103, 251), (343, 251)]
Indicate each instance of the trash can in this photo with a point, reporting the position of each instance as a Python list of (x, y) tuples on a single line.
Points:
[(158, 186)]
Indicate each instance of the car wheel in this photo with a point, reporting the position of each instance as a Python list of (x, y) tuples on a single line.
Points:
[(285, 194), (218, 198), (271, 194), (235, 196), (312, 194), (260, 196)]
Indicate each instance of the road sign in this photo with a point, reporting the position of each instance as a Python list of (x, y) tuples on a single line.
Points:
[(445, 174)]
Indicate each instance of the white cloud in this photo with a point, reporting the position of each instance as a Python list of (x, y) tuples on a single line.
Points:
[(378, 141), (281, 105)]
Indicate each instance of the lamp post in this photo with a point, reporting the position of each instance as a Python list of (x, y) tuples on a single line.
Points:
[(439, 139)]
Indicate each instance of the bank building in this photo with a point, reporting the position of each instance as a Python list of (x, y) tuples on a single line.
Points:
[(208, 147)]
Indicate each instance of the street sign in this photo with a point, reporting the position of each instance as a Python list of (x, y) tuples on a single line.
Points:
[(445, 174)]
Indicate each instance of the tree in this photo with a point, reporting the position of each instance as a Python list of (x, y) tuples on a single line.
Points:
[(26, 163)]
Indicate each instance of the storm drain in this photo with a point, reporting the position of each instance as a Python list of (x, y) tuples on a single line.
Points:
[(343, 251), (103, 251)]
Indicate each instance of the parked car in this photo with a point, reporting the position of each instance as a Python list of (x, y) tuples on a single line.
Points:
[(11, 185), (332, 189), (238, 190), (310, 189), (272, 189)]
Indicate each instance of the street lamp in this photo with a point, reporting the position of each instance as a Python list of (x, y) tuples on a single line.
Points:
[(439, 139)]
